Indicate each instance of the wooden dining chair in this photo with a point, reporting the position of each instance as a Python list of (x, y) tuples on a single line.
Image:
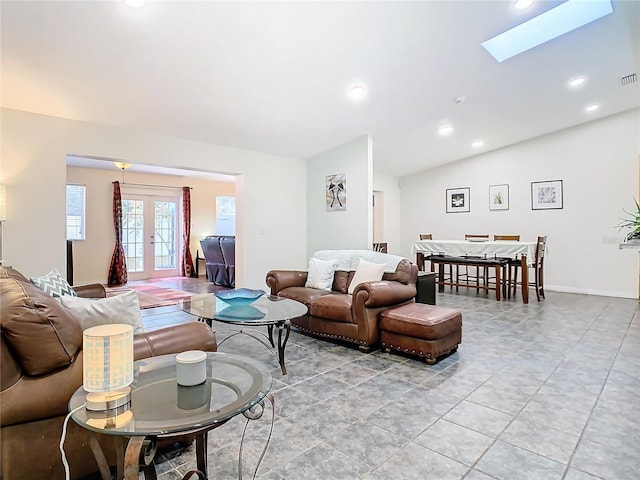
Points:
[(480, 273), (380, 247), (537, 265), (424, 236), (429, 236), (514, 264)]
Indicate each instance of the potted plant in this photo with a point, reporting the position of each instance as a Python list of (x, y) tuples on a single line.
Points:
[(631, 223)]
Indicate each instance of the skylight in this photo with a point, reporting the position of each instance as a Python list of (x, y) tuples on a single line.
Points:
[(549, 25)]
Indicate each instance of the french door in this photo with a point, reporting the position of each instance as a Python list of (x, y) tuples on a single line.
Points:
[(150, 233)]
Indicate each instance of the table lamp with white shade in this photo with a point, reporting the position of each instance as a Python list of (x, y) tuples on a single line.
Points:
[(107, 368)]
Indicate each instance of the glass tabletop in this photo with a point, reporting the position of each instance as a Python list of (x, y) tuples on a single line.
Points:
[(160, 406), (267, 310)]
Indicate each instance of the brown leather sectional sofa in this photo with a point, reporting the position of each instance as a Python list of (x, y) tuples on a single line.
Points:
[(41, 367), (342, 316)]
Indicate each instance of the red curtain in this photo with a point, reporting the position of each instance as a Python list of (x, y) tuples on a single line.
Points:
[(118, 270), (186, 267)]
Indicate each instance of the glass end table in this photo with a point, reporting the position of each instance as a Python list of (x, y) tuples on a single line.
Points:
[(162, 409)]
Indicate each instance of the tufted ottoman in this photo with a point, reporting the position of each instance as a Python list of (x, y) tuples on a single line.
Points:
[(419, 329)]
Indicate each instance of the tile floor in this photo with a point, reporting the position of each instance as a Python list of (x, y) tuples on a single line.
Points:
[(549, 390)]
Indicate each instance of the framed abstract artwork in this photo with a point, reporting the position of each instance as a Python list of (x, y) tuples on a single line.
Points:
[(546, 195), (458, 200), (336, 192), (499, 197)]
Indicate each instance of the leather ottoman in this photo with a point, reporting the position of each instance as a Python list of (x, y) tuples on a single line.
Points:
[(419, 329)]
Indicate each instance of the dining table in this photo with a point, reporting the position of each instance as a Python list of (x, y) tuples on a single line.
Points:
[(487, 249)]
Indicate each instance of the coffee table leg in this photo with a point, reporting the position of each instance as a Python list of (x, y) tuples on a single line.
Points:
[(282, 344), (270, 330), (201, 453)]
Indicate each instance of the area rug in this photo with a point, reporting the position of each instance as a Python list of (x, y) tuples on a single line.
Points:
[(150, 296)]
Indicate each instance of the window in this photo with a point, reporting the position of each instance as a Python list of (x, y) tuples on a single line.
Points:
[(76, 195), (225, 215)]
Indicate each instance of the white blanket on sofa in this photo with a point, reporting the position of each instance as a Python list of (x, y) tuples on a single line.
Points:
[(348, 259)]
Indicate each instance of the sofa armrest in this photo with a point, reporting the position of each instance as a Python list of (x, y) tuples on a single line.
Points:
[(175, 339), (91, 290), (383, 293), (278, 280)]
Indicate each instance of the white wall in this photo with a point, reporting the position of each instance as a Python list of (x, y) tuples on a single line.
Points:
[(92, 256), (271, 227), (598, 163), (351, 228)]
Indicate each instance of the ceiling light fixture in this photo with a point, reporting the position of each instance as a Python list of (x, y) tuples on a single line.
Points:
[(357, 93), (523, 4), (549, 25), (445, 130), (135, 3), (577, 82), (122, 165), (477, 144), (592, 108)]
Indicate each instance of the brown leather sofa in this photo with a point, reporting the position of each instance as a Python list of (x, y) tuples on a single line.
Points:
[(339, 315), (41, 367)]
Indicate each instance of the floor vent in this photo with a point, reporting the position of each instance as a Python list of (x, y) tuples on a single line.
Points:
[(629, 79)]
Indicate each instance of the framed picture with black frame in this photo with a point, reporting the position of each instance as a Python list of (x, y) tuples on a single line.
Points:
[(458, 200), (546, 195)]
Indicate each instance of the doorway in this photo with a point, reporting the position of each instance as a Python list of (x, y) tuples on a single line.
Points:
[(150, 233)]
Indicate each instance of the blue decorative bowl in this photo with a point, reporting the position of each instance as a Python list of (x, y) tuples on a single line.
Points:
[(239, 296)]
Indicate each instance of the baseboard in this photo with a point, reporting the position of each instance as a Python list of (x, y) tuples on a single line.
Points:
[(582, 291)]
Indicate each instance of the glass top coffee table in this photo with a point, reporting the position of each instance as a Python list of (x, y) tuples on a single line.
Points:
[(267, 310), (160, 408)]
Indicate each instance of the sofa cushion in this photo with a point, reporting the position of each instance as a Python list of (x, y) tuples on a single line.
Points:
[(335, 307), (341, 281), (89, 312), (54, 284), (10, 272), (366, 272), (303, 294), (320, 273), (41, 333)]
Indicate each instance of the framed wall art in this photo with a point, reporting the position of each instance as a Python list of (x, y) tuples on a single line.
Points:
[(546, 195), (499, 197), (458, 200), (336, 192)]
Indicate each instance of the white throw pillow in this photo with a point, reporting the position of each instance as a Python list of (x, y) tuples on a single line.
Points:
[(366, 272), (89, 312), (320, 274)]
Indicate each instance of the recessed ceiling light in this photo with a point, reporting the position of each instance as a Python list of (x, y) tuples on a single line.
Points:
[(522, 4), (592, 108), (445, 130), (551, 24), (477, 144), (135, 3), (577, 82), (357, 93)]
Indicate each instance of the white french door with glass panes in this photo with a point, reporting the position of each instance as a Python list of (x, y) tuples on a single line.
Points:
[(150, 232)]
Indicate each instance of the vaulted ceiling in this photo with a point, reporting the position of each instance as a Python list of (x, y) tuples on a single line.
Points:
[(273, 76)]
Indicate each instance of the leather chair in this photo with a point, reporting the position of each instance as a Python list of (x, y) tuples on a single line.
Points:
[(228, 246), (41, 367), (214, 260)]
